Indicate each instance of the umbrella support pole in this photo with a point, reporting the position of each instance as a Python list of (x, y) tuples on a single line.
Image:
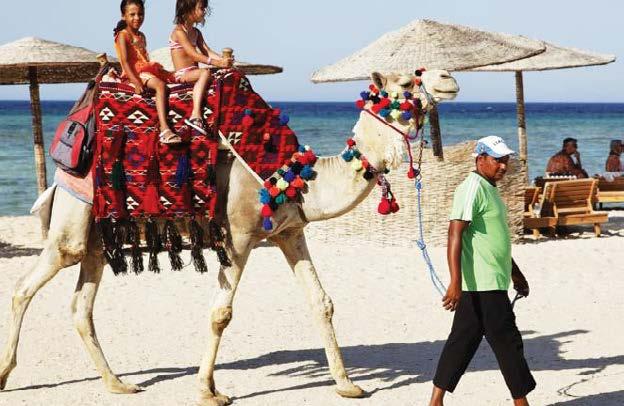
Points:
[(436, 136), (35, 106), (522, 135)]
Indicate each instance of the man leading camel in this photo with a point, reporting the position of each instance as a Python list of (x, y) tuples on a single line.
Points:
[(481, 267)]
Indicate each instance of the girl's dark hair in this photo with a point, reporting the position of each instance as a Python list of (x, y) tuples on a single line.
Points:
[(186, 7), (121, 24)]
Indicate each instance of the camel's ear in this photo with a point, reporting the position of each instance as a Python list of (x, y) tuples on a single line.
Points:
[(379, 80)]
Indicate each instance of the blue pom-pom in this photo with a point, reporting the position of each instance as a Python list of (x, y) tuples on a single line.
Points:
[(365, 95), (265, 197), (267, 224), (289, 176), (347, 155), (384, 112), (406, 115), (306, 172), (284, 119), (384, 93), (247, 112), (301, 148), (408, 95)]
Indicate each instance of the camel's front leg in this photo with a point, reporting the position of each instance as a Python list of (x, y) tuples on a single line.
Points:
[(295, 249), (65, 246), (91, 269), (221, 315)]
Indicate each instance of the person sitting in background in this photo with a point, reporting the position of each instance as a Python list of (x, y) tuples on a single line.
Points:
[(567, 161), (614, 164)]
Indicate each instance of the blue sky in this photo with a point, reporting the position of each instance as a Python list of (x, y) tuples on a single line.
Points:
[(303, 36)]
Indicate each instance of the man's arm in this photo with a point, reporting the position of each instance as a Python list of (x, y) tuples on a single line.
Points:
[(453, 256), (520, 283)]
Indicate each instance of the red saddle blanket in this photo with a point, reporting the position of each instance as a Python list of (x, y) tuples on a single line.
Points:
[(137, 176)]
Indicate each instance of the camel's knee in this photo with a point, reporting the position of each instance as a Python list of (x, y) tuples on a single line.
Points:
[(220, 319), (325, 309), (63, 251)]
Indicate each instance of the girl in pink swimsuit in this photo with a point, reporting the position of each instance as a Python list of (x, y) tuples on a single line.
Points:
[(188, 49)]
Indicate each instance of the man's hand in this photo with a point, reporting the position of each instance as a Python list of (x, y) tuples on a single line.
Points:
[(520, 283), (451, 299)]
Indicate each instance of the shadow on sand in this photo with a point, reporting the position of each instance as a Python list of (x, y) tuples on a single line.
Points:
[(397, 364), (10, 251)]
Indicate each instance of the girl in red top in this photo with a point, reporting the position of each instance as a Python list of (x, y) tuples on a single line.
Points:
[(131, 48), (188, 49)]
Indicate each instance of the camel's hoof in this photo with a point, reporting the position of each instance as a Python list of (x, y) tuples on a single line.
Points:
[(120, 387), (4, 376), (350, 390), (3, 381), (214, 400)]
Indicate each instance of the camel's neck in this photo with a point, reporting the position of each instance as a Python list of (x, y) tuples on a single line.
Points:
[(338, 188)]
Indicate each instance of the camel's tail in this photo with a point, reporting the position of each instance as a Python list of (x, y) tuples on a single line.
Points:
[(43, 207)]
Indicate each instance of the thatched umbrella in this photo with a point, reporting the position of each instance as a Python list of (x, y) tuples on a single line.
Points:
[(163, 56), (432, 45), (33, 61), (555, 57)]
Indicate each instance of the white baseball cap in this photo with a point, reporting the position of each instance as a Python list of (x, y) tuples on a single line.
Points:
[(493, 146)]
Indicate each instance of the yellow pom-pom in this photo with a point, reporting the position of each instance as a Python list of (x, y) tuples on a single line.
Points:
[(356, 164), (307, 147), (282, 184), (395, 95), (395, 114)]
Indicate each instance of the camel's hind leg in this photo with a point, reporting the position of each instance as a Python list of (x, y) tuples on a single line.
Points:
[(91, 269), (294, 247), (220, 318), (65, 246)]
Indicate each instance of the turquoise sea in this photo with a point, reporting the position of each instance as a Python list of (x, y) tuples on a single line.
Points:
[(326, 126)]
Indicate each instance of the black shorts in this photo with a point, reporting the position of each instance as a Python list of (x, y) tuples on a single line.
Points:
[(486, 314)]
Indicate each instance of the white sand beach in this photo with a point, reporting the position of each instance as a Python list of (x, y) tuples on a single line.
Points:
[(388, 319)]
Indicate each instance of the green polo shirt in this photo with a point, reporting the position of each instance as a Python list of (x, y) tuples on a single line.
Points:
[(486, 242)]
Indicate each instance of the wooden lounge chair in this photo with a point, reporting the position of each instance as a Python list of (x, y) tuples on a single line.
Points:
[(571, 203), (531, 220), (610, 192)]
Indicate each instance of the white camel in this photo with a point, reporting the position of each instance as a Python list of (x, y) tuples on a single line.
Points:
[(336, 190)]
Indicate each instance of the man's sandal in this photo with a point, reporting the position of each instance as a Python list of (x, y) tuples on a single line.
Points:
[(197, 124), (169, 137)]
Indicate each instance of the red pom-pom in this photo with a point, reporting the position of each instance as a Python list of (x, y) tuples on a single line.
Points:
[(410, 173), (277, 112), (248, 121), (373, 88), (417, 81), (384, 207), (365, 164), (310, 157), (297, 183), (394, 206), (266, 211), (266, 137), (406, 106), (291, 192), (360, 104), (376, 108), (303, 159), (384, 103), (350, 142), (274, 191), (267, 185)]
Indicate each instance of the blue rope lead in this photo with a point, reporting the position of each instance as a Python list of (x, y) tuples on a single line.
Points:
[(423, 247)]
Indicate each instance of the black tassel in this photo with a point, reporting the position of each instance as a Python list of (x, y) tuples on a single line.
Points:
[(113, 238), (134, 239), (211, 176), (197, 243), (154, 245), (223, 257), (215, 236), (174, 245)]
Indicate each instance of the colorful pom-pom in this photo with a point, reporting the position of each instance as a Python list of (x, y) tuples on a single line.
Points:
[(296, 168), (419, 72), (306, 172), (248, 121), (395, 95), (406, 106), (310, 156), (347, 155), (266, 137), (384, 112), (280, 199), (395, 104), (266, 211), (406, 115), (291, 192), (357, 153), (384, 206), (272, 181), (376, 108), (267, 224), (277, 112), (373, 88), (350, 142), (307, 148), (356, 165), (365, 95), (267, 184), (301, 149), (408, 95), (274, 191), (395, 114), (411, 173), (248, 112), (417, 81), (264, 195), (284, 119), (384, 103), (394, 206), (289, 176), (360, 104), (365, 163), (297, 183), (384, 93), (282, 184), (368, 175)]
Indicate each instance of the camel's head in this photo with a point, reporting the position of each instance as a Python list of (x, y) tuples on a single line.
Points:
[(400, 101)]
